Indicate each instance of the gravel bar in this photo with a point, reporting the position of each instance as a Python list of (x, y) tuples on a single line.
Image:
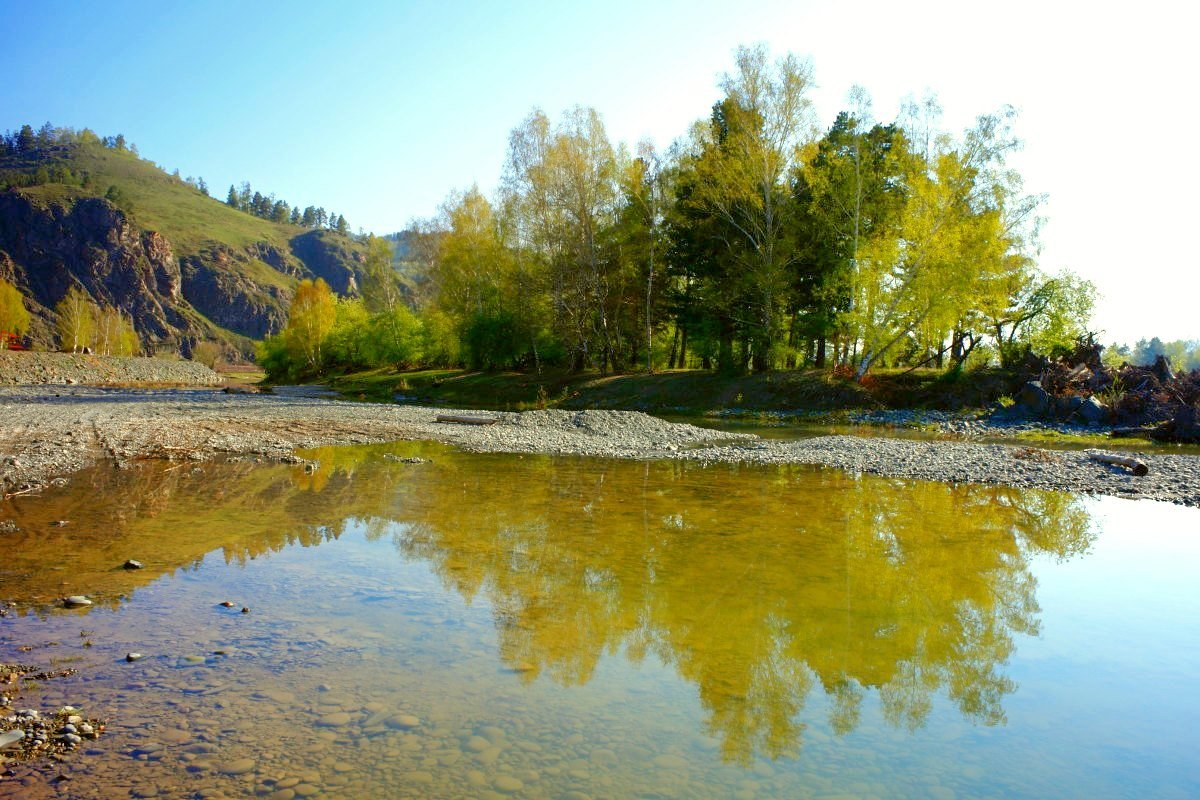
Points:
[(46, 433)]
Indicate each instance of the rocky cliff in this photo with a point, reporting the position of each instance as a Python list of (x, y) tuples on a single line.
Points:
[(47, 248), (49, 244)]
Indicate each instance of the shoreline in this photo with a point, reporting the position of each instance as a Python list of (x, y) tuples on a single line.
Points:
[(47, 433)]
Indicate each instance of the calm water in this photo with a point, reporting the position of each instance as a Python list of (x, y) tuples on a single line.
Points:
[(494, 626)]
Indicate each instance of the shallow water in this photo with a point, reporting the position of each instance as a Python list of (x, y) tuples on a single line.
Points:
[(499, 625), (790, 430)]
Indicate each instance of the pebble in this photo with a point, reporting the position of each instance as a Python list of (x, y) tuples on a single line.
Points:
[(239, 767), (334, 720), (404, 722), (131, 564), (133, 656), (509, 784), (76, 601), (11, 738)]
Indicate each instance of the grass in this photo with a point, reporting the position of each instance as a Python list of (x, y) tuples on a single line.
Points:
[(678, 391), (1083, 439)]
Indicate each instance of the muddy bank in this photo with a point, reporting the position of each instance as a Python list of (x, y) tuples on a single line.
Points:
[(68, 369), (45, 435)]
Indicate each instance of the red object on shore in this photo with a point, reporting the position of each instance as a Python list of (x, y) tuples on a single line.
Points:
[(12, 341)]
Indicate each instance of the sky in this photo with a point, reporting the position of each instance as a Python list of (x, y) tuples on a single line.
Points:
[(377, 110)]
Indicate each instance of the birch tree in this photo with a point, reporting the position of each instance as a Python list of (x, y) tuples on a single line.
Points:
[(76, 320), (765, 120)]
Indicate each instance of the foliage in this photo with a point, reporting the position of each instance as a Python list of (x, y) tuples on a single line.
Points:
[(14, 317), (310, 321), (208, 353), (76, 320), (757, 242)]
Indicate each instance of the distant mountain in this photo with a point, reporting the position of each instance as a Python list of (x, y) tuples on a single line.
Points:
[(79, 211)]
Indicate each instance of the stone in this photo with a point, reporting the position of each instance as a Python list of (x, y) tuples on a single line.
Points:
[(477, 744), (335, 720), (133, 656), (238, 767), (11, 738), (1035, 398), (1092, 411), (508, 784), (404, 722), (76, 601), (131, 564)]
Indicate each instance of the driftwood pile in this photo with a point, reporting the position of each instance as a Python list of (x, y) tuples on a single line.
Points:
[(1151, 401)]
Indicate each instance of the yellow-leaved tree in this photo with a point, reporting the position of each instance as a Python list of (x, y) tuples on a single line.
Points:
[(14, 317), (76, 324), (310, 320), (115, 334)]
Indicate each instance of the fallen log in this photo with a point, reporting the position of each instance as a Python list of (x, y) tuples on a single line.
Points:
[(461, 419), (1136, 466)]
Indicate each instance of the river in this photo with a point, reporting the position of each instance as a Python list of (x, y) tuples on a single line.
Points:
[(487, 625)]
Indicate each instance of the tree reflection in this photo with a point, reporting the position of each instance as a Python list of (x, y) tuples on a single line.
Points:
[(763, 587), (757, 585)]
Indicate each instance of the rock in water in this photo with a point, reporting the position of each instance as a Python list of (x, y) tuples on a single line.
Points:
[(76, 601), (132, 656), (11, 739), (131, 564)]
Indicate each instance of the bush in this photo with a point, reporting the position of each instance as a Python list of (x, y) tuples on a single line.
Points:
[(208, 353)]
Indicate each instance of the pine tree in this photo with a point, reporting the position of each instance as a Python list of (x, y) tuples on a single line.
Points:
[(232, 200)]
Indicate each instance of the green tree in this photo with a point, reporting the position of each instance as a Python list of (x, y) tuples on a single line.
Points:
[(75, 320), (14, 317), (761, 126)]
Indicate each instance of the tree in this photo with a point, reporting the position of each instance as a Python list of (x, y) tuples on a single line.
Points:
[(14, 317), (310, 320), (25, 139), (751, 147), (202, 186), (115, 334), (956, 240), (207, 353), (645, 184), (850, 190), (232, 200), (76, 320)]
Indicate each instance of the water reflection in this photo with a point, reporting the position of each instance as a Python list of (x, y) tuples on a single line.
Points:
[(758, 586), (762, 587)]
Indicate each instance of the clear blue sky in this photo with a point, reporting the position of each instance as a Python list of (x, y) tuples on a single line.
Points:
[(378, 110)]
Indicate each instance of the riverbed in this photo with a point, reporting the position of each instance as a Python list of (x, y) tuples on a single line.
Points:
[(46, 434), (426, 622)]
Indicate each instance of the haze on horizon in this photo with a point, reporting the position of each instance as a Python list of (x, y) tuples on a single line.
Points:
[(380, 110)]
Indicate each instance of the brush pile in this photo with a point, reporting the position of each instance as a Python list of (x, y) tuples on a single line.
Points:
[(1152, 401)]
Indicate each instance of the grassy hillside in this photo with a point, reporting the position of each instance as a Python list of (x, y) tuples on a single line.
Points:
[(247, 266)]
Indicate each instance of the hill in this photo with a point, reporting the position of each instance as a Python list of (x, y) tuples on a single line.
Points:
[(76, 210)]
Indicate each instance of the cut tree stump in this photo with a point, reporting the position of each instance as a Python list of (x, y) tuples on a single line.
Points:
[(1136, 466), (459, 419)]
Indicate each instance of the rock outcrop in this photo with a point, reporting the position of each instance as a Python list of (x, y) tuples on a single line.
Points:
[(48, 246), (47, 249)]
